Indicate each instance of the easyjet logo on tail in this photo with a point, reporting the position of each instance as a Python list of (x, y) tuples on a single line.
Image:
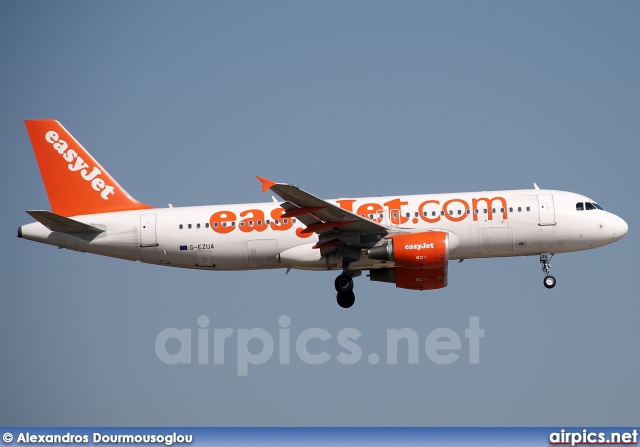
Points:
[(77, 164)]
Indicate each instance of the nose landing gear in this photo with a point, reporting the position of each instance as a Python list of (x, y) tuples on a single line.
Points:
[(549, 281)]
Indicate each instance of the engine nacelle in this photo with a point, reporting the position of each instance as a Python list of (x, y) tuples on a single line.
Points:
[(413, 279), (421, 251)]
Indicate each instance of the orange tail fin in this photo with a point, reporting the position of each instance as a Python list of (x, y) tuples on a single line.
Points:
[(75, 182)]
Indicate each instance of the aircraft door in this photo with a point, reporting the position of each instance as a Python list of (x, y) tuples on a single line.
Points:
[(394, 217), (546, 209), (148, 230), (495, 233)]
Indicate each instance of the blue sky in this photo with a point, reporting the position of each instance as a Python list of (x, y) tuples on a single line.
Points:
[(185, 103)]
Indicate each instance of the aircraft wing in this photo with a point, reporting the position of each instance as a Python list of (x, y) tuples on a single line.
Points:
[(320, 216)]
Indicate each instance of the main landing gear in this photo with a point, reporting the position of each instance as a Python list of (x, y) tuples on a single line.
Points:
[(344, 287), (344, 281), (549, 281)]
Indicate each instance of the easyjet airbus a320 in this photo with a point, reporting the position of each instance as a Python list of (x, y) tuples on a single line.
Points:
[(405, 240)]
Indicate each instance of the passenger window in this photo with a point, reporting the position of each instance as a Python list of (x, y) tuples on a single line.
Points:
[(408, 214), (250, 223), (485, 211), (395, 215), (242, 224), (502, 210), (259, 222), (519, 209), (416, 214), (528, 208), (579, 206), (476, 211), (493, 210), (450, 212), (181, 226), (197, 225), (433, 213), (381, 216), (511, 209), (459, 212), (189, 226), (424, 213), (442, 213), (233, 224), (215, 225), (590, 206), (293, 220), (267, 222), (206, 225)]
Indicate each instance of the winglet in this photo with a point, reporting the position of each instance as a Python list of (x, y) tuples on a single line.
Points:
[(266, 183), (536, 186)]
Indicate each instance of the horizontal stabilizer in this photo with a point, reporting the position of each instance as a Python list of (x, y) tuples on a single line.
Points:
[(56, 222)]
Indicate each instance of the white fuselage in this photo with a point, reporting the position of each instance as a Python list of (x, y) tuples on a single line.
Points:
[(249, 236)]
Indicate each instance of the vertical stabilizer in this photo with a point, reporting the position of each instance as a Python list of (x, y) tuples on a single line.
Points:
[(75, 182)]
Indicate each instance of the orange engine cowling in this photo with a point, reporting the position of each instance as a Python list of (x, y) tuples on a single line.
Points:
[(413, 279), (427, 250), (420, 260)]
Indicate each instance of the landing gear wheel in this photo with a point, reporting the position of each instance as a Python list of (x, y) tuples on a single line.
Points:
[(549, 282), (346, 299), (344, 283)]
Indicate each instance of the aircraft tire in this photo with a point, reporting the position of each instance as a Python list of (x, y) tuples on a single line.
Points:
[(549, 282), (344, 283), (346, 299)]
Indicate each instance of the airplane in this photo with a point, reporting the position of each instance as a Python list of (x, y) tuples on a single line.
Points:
[(405, 240)]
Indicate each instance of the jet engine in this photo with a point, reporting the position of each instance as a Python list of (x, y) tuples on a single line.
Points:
[(420, 259)]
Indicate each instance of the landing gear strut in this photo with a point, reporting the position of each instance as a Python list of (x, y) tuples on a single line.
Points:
[(549, 281), (344, 281)]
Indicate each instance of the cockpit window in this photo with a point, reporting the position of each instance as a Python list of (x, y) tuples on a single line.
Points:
[(580, 206)]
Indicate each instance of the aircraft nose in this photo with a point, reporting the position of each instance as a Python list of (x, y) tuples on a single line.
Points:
[(620, 228)]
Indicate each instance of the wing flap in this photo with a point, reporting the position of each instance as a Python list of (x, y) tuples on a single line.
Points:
[(306, 218), (318, 214)]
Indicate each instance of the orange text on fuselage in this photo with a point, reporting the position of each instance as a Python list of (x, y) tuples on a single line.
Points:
[(250, 220)]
